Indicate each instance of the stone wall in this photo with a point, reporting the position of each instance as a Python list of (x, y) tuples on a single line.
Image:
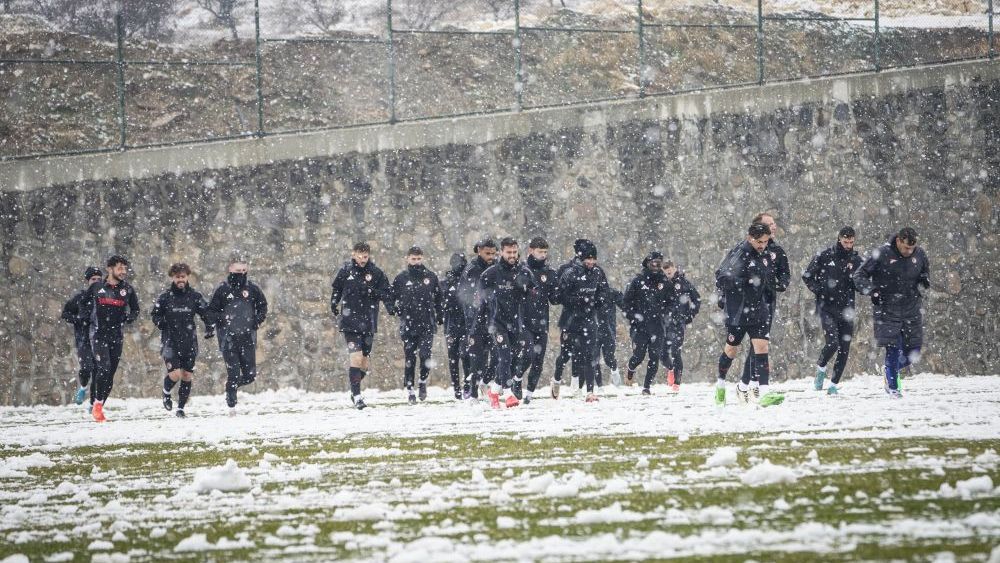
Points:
[(683, 182)]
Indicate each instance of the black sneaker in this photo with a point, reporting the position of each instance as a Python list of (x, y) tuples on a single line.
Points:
[(645, 391), (180, 413), (231, 398), (359, 403), (422, 392), (413, 399), (167, 403), (515, 388), (526, 400)]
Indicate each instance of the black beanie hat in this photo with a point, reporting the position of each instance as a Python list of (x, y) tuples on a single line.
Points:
[(654, 255), (92, 271), (458, 262), (587, 250)]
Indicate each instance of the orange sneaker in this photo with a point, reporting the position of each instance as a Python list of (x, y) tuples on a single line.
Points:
[(98, 412), (494, 399), (512, 401), (675, 387), (670, 378)]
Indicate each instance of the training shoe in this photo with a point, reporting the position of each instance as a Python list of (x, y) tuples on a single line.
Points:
[(231, 398), (167, 403), (511, 401), (616, 378), (494, 398), (893, 393), (630, 377), (720, 395), (466, 395), (675, 387), (756, 392), (646, 391), (771, 399), (592, 398), (412, 399), (831, 390), (180, 413), (527, 398), (422, 392), (515, 388), (98, 412), (81, 394), (820, 377), (670, 378), (743, 395), (554, 389), (359, 403), (484, 392)]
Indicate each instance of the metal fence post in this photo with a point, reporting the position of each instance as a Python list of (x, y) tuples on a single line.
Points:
[(519, 70), (989, 17), (642, 54), (878, 41), (391, 55), (760, 41), (120, 78), (260, 78)]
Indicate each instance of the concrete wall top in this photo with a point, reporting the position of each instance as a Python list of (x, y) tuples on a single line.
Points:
[(31, 174)]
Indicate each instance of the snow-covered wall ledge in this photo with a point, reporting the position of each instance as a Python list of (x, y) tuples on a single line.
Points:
[(31, 174), (915, 147)]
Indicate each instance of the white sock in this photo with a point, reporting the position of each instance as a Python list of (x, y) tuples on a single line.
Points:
[(763, 390), (720, 383), (821, 369), (742, 387), (495, 387), (527, 394)]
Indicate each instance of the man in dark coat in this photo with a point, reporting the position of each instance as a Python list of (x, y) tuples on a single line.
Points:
[(683, 307), (583, 291), (536, 317), (81, 333), (744, 277), (892, 276), (645, 304), (505, 288), (478, 344), (358, 288), (418, 304), (174, 314), (238, 308), (108, 306), (454, 324), (829, 277), (607, 335)]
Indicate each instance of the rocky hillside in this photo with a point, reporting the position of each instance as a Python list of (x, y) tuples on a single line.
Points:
[(60, 107)]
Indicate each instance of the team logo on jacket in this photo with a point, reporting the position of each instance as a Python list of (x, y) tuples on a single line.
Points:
[(499, 338), (914, 259), (544, 278), (773, 256), (677, 286), (246, 293), (427, 281), (765, 261), (368, 277), (850, 266), (659, 286), (101, 291), (123, 292), (892, 260)]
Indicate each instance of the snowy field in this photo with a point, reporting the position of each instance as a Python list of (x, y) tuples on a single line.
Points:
[(298, 476)]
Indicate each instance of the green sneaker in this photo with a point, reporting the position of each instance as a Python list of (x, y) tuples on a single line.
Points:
[(899, 382), (720, 395), (772, 399), (820, 378), (832, 390)]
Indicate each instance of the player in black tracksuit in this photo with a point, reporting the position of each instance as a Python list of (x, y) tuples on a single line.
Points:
[(828, 276), (782, 277), (478, 345), (645, 305), (108, 306), (238, 308), (536, 317), (454, 324), (583, 291), (417, 296), (684, 306), (743, 277), (505, 288), (892, 276), (81, 333), (607, 334), (358, 288), (565, 344), (174, 314)]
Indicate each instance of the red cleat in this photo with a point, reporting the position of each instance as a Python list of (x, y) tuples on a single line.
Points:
[(512, 401), (670, 379), (494, 399), (98, 412)]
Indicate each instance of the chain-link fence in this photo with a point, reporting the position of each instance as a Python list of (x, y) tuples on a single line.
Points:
[(125, 74)]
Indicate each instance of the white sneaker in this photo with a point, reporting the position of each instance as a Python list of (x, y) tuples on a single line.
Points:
[(616, 378)]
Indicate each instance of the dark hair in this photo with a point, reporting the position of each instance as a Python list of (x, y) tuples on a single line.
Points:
[(759, 218), (846, 232), (179, 268), (668, 264), (758, 230), (415, 251), (507, 242), (486, 243), (538, 242), (117, 259), (362, 247), (907, 235)]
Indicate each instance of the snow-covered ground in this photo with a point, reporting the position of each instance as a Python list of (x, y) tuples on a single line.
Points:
[(304, 476)]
